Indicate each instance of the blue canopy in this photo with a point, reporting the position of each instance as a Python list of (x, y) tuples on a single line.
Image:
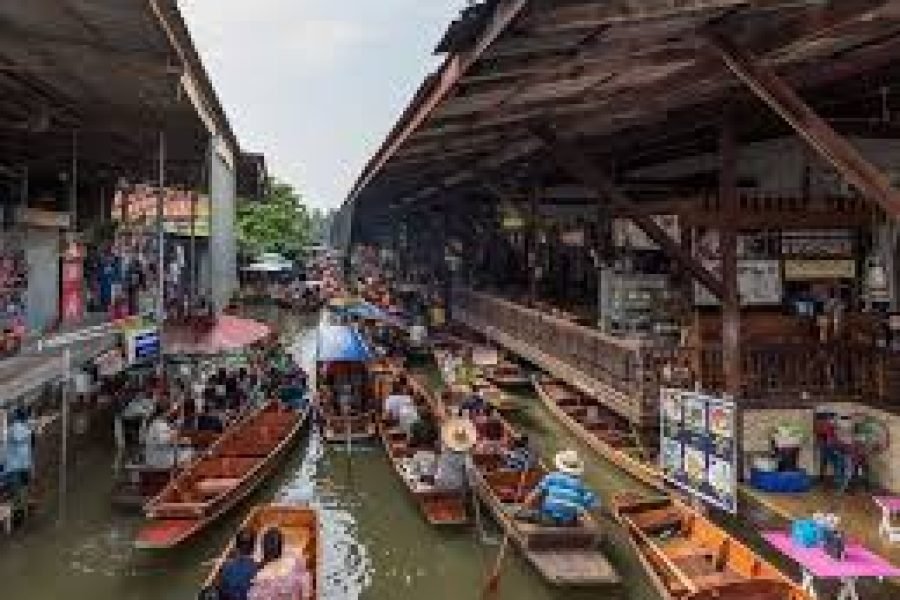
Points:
[(369, 312), (341, 343)]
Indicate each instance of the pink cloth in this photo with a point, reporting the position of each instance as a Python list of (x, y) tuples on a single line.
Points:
[(891, 503), (859, 562), (296, 584)]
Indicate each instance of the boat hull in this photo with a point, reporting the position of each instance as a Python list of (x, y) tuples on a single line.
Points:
[(173, 522)]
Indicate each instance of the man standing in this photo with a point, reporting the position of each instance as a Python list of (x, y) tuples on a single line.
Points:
[(19, 455)]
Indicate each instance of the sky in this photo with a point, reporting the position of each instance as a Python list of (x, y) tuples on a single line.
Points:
[(316, 85)]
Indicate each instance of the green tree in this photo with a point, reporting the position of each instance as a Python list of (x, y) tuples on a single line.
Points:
[(279, 222)]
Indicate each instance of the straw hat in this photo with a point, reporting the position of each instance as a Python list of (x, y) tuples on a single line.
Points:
[(458, 434), (569, 462)]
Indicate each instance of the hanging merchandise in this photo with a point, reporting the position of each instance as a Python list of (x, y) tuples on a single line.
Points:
[(13, 292)]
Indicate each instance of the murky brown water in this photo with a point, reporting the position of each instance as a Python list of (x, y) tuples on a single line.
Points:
[(377, 545)]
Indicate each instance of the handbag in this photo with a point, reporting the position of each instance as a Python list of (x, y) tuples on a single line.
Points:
[(833, 544)]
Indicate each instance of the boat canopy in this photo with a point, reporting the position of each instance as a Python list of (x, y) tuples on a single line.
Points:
[(341, 343)]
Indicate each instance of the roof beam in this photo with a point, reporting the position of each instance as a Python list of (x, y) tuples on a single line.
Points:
[(817, 133), (570, 159)]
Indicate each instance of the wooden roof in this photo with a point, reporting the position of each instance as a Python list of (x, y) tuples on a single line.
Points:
[(112, 71), (633, 81)]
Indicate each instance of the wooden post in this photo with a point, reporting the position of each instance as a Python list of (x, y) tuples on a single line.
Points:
[(731, 306), (532, 245)]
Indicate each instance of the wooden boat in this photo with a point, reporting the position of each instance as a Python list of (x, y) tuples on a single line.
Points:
[(234, 466), (607, 433), (564, 556), (342, 359), (300, 528), (508, 374), (440, 507), (479, 382), (688, 557)]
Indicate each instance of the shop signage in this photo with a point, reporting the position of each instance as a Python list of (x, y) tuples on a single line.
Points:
[(72, 284), (759, 282), (39, 217), (802, 270), (698, 449), (822, 243), (143, 345)]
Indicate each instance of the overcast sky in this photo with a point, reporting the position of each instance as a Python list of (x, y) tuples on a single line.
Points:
[(316, 84)]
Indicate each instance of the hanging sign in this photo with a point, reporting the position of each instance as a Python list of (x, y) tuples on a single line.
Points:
[(72, 284), (143, 345), (698, 449), (803, 270)]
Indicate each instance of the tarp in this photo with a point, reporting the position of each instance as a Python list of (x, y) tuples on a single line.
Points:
[(229, 334), (340, 343)]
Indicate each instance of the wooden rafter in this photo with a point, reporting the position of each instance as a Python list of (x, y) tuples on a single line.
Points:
[(569, 158), (818, 134)]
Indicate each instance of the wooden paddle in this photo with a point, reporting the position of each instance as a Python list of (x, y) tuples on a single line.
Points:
[(492, 585)]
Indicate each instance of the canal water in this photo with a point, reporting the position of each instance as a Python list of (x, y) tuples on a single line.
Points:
[(376, 544)]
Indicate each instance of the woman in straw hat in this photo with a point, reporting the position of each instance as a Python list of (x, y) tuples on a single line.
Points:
[(561, 496)]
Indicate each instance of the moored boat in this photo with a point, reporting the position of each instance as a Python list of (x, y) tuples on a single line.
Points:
[(300, 528), (608, 434), (232, 469), (439, 507), (345, 385), (686, 556), (564, 556)]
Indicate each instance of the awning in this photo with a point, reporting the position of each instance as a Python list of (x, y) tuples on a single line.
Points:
[(229, 334), (339, 343)]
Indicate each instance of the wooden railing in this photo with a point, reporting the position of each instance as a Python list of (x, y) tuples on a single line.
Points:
[(608, 367), (774, 374), (626, 373)]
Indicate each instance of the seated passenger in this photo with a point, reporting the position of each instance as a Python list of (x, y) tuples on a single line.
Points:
[(281, 576), (236, 576), (519, 457), (561, 497)]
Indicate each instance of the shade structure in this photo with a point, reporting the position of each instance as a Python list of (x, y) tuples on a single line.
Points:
[(341, 343), (229, 334)]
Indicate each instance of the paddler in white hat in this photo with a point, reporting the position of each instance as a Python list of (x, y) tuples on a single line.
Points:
[(561, 497), (458, 436)]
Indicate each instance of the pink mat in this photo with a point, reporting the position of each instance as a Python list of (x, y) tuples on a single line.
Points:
[(859, 562)]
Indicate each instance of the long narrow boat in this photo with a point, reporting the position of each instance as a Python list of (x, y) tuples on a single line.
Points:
[(300, 528), (234, 466), (440, 507), (688, 557), (345, 385), (608, 434), (564, 556)]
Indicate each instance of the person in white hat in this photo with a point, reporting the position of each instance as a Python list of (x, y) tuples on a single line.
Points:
[(561, 496)]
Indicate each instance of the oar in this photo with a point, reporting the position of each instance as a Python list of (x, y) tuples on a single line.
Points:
[(492, 585), (483, 537)]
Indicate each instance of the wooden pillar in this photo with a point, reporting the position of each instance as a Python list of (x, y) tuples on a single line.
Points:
[(531, 245), (731, 307)]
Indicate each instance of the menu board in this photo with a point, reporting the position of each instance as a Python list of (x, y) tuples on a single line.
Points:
[(698, 451)]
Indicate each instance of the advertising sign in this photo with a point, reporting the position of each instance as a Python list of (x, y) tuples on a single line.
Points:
[(698, 450), (71, 308), (805, 270), (143, 345)]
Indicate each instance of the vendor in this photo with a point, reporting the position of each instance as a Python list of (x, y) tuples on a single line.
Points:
[(19, 454), (160, 440)]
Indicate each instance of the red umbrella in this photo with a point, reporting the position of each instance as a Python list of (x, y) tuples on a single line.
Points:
[(227, 335)]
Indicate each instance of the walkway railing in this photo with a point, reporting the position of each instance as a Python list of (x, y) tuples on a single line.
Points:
[(626, 373), (609, 368)]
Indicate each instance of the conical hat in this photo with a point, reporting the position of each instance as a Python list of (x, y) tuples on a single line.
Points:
[(458, 434)]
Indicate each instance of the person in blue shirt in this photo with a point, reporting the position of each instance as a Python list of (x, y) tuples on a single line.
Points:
[(561, 496), (236, 576), (19, 456)]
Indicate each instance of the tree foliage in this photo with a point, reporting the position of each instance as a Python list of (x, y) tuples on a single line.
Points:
[(279, 222)]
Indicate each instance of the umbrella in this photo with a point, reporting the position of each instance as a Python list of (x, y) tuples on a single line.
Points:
[(229, 334)]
